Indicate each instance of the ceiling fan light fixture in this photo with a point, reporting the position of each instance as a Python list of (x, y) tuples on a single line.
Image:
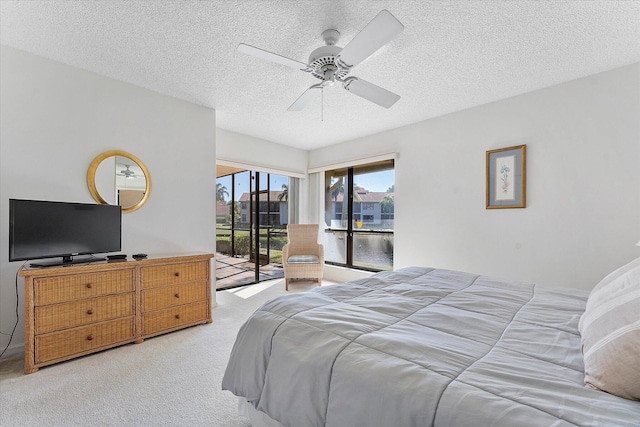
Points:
[(329, 75)]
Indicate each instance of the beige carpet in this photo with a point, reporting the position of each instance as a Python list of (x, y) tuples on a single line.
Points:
[(170, 380)]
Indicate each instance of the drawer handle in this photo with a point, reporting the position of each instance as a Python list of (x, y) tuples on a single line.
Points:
[(177, 295), (177, 316), (90, 311), (89, 286), (177, 274), (89, 337)]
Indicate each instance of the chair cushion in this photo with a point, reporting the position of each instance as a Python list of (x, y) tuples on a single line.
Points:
[(303, 259)]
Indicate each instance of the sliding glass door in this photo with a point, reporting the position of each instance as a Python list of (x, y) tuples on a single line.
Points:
[(251, 229)]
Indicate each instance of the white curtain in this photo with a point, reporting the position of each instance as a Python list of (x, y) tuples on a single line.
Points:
[(294, 200), (316, 198)]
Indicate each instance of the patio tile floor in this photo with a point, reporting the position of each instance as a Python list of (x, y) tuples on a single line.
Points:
[(238, 271)]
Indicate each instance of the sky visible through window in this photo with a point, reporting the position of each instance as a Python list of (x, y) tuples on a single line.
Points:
[(377, 182), (242, 183)]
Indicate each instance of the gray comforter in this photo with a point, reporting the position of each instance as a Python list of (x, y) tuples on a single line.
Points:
[(421, 347)]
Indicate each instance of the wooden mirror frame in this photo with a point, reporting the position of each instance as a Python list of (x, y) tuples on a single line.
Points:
[(91, 178)]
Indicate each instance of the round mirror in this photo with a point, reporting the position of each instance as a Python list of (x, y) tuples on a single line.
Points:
[(119, 178)]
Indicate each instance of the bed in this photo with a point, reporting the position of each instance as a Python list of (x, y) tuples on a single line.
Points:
[(421, 347)]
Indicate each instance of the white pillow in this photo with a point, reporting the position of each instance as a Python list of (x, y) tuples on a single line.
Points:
[(610, 332)]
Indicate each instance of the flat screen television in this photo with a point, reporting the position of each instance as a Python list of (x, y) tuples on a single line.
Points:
[(45, 229)]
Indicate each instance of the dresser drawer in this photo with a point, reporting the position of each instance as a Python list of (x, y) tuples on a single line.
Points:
[(51, 290), (169, 296), (61, 344), (160, 320), (169, 274), (54, 317)]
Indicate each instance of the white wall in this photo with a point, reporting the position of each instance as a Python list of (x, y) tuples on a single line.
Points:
[(583, 183), (54, 119), (248, 150), (266, 156)]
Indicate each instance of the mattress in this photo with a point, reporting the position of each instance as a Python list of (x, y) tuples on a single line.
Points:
[(421, 347)]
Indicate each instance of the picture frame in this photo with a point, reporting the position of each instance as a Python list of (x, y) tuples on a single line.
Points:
[(507, 178)]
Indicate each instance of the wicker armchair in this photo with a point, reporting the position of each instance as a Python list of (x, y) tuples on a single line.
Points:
[(303, 256)]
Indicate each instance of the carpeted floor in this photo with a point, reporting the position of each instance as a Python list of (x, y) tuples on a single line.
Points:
[(170, 380)]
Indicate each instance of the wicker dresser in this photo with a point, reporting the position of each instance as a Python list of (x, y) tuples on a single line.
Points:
[(79, 309), (174, 295)]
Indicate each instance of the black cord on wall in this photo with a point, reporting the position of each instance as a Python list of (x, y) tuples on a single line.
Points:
[(17, 315)]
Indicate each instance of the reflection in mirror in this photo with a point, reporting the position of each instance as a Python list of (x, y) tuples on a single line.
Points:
[(130, 182), (118, 177)]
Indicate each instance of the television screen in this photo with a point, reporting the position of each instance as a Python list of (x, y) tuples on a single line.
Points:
[(45, 229)]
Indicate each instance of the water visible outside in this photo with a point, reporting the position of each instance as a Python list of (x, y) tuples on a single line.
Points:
[(374, 251)]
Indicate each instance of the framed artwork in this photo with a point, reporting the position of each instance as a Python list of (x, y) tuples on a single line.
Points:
[(506, 178)]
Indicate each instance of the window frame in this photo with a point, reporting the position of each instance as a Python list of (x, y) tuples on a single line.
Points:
[(350, 230)]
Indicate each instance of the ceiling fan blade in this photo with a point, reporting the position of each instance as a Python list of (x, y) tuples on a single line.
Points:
[(270, 56), (380, 31), (304, 99), (370, 92)]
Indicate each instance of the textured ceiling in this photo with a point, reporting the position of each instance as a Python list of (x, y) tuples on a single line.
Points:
[(452, 55)]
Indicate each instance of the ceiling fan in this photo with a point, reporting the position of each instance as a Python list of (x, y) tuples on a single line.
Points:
[(332, 63), (127, 173)]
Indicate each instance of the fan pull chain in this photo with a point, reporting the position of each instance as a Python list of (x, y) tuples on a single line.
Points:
[(322, 105)]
